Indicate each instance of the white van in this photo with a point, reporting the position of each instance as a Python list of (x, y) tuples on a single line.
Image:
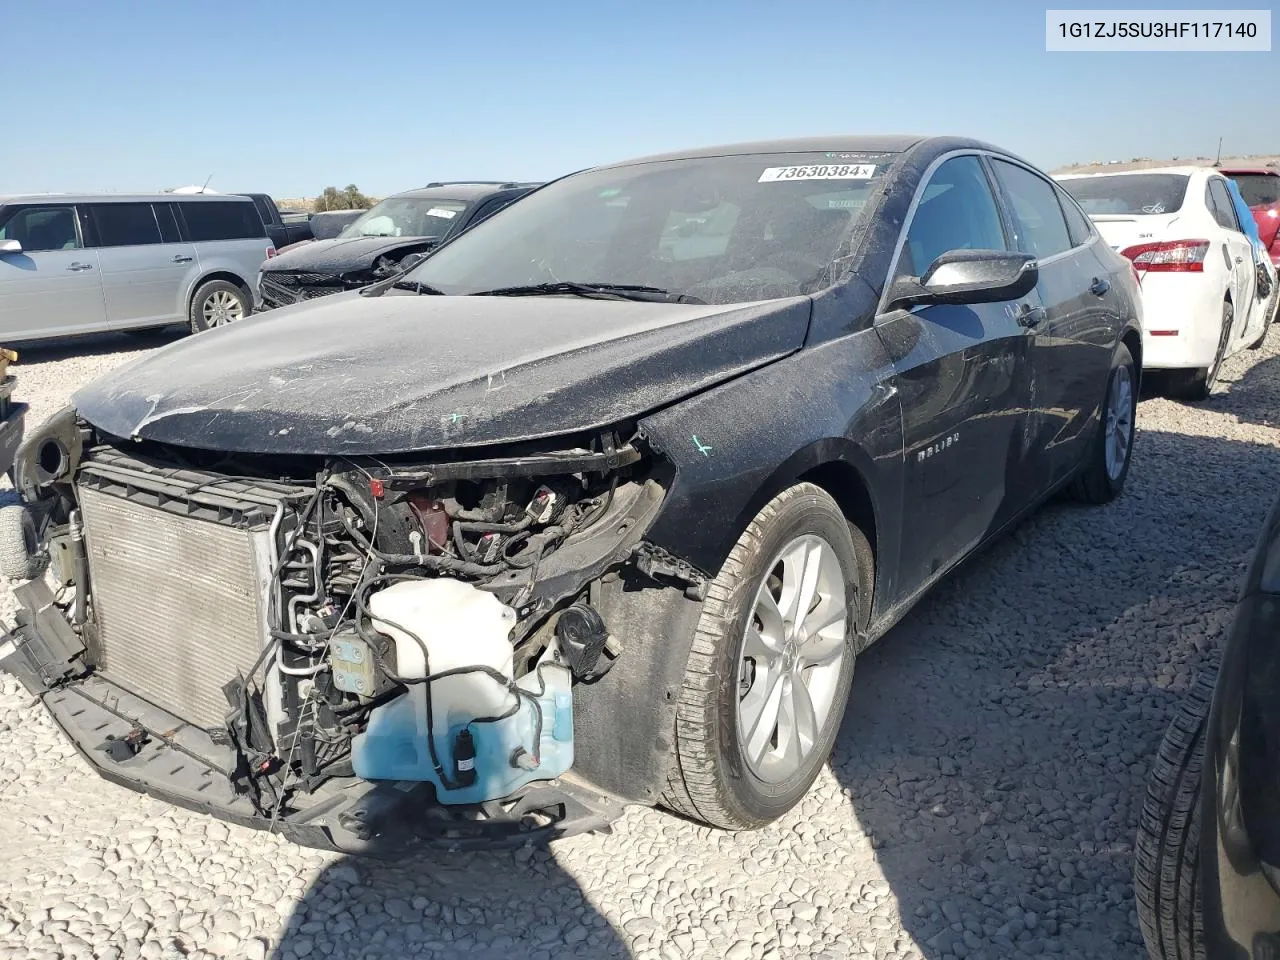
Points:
[(87, 263)]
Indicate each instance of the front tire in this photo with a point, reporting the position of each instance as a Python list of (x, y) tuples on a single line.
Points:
[(1166, 871), (771, 664), (1107, 464), (218, 303)]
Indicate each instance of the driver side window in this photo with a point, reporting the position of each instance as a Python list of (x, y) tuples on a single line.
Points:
[(43, 228), (957, 211)]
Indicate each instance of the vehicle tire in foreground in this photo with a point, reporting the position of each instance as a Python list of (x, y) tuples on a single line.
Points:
[(1166, 879), (217, 303), (771, 664), (20, 557), (1196, 385), (1107, 464)]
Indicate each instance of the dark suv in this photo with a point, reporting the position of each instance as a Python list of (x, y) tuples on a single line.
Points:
[(378, 243)]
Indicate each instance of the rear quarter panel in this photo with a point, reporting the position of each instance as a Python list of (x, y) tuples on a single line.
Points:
[(242, 258)]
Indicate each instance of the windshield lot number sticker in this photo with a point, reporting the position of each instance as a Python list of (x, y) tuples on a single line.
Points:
[(822, 171), (442, 213)]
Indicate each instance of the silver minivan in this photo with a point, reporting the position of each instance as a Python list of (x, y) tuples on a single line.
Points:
[(87, 263)]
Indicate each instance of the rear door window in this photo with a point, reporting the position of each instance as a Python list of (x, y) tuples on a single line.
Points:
[(167, 218), (43, 228), (1077, 223), (221, 220), (1037, 215), (124, 224), (1221, 207)]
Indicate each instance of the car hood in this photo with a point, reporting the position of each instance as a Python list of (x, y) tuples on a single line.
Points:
[(400, 373), (340, 254)]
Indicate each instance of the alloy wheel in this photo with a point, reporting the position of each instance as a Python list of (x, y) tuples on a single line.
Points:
[(792, 653), (221, 307), (1119, 421)]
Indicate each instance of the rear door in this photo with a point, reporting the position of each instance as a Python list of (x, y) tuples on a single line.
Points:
[(1238, 252), (1072, 342), (54, 286), (145, 264), (963, 378)]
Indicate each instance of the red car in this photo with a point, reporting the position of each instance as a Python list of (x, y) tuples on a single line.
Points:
[(1260, 187)]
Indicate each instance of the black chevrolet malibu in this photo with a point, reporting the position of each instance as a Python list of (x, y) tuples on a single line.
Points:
[(596, 506), (1208, 850)]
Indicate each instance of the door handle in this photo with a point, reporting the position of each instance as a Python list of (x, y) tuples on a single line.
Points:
[(77, 266), (1029, 316), (180, 259), (1099, 287)]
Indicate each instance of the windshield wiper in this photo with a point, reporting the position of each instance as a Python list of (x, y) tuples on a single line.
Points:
[(596, 291)]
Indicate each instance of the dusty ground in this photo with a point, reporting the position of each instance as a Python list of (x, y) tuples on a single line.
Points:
[(981, 802), (1146, 163)]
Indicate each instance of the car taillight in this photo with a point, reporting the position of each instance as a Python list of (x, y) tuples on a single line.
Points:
[(1168, 256), (271, 252)]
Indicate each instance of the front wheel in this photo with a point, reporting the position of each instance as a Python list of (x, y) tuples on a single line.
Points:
[(1167, 854), (771, 664), (218, 303), (1107, 464)]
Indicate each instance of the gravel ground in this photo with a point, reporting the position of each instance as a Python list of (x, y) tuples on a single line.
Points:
[(981, 802)]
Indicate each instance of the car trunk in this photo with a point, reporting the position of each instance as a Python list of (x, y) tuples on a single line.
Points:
[(1122, 230)]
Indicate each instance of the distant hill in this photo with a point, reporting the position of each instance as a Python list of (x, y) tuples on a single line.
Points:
[(1146, 163)]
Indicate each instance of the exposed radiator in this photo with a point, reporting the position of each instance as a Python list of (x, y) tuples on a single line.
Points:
[(178, 600)]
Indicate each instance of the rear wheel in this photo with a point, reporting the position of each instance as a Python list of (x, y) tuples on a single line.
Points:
[(1166, 874), (1107, 464), (218, 303), (771, 665), (1198, 385), (20, 557)]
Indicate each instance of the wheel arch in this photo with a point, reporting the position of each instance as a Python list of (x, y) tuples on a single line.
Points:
[(226, 275), (1132, 339)]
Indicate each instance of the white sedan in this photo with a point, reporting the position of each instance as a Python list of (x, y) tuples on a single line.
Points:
[(1179, 228)]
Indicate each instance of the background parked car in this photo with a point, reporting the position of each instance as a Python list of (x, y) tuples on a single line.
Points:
[(1260, 187), (284, 229), (378, 242), (86, 263), (1180, 229)]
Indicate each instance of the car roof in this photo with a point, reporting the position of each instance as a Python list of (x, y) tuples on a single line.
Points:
[(124, 197), (842, 143), (465, 190)]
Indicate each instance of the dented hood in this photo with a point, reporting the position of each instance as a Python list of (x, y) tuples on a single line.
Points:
[(340, 254), (355, 375)]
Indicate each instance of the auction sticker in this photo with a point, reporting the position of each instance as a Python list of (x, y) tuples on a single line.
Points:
[(822, 171), (442, 212)]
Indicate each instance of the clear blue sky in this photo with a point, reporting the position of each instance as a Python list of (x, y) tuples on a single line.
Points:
[(291, 97)]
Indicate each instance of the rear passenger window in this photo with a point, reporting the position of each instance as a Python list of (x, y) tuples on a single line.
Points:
[(124, 224), (168, 221), (1037, 216), (957, 211), (42, 229), (1077, 222), (222, 220), (1220, 205)]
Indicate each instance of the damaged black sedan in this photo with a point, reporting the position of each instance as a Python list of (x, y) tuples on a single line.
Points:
[(595, 506)]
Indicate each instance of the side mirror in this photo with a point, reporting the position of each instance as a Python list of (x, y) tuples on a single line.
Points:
[(10, 246), (968, 276)]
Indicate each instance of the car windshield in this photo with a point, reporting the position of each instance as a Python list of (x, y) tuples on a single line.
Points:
[(1258, 189), (1139, 193), (406, 217), (717, 230)]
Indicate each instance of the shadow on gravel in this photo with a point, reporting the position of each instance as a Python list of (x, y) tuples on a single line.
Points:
[(97, 344), (998, 757), (1255, 397), (508, 905)]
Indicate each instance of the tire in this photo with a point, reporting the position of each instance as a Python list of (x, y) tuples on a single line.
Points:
[(1099, 481), (711, 775), (1197, 385), (1266, 325), (1166, 876), (217, 303), (20, 557)]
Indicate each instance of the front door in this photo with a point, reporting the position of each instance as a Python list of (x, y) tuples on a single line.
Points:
[(54, 286), (963, 377)]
